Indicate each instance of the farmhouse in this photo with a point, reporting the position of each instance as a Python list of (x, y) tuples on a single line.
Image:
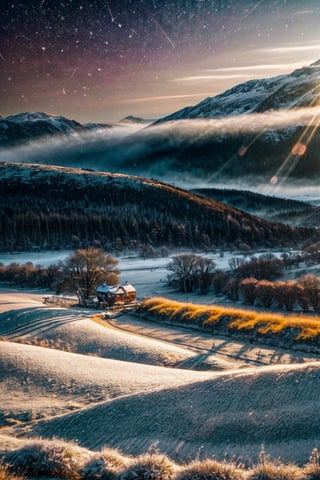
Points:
[(115, 295)]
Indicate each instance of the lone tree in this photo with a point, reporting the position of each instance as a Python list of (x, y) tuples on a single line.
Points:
[(190, 272), (83, 270)]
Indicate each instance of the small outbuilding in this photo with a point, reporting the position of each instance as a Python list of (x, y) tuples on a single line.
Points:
[(116, 295)]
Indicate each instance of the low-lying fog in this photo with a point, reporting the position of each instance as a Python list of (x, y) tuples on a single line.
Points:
[(180, 152)]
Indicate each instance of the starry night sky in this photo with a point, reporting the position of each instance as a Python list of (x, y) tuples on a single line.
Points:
[(101, 60)]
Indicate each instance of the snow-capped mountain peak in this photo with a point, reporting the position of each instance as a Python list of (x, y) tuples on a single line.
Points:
[(297, 89)]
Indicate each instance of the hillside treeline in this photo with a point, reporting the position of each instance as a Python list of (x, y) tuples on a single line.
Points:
[(44, 207), (289, 211), (247, 200)]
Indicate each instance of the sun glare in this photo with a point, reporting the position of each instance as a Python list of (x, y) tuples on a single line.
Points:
[(299, 149)]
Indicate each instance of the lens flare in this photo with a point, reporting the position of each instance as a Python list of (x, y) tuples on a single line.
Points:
[(299, 149), (274, 180), (242, 150)]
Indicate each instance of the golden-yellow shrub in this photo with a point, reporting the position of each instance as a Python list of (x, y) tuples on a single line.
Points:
[(303, 327)]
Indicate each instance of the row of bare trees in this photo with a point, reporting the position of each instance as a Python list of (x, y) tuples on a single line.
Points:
[(304, 293), (289, 295), (191, 272), (266, 266), (249, 281)]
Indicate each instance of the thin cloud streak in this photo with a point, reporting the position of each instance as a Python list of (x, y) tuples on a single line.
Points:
[(197, 78), (304, 12), (270, 66), (290, 49), (166, 97)]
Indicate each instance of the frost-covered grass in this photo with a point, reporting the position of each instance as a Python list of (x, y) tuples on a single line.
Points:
[(6, 475), (211, 469), (150, 466), (267, 469), (53, 458), (66, 460)]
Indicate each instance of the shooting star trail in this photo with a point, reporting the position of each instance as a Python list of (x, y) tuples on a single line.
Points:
[(113, 19), (252, 9), (74, 71), (164, 33)]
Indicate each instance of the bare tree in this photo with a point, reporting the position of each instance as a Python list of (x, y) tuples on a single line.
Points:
[(235, 263), (231, 289), (219, 280), (265, 292), (286, 294), (311, 286), (302, 298), (83, 270), (184, 268), (191, 271), (205, 270), (248, 290)]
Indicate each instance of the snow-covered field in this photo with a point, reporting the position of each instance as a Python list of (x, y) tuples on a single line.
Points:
[(130, 383), (148, 275), (44, 258)]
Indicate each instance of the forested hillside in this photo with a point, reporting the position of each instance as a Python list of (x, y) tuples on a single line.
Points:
[(55, 207), (293, 212)]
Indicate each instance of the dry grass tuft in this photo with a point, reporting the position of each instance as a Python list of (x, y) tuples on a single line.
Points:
[(149, 466), (105, 465), (53, 458), (210, 470), (6, 475), (58, 459), (269, 470), (312, 468), (273, 471)]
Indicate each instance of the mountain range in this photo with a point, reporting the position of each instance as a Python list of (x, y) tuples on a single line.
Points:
[(259, 131)]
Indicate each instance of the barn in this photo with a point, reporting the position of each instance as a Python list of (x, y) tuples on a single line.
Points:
[(116, 295)]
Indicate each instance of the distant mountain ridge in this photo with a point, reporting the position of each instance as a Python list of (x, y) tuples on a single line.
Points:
[(133, 119), (25, 126), (300, 88)]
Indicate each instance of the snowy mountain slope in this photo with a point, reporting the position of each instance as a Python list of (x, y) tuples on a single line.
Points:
[(26, 126), (297, 89), (58, 123)]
